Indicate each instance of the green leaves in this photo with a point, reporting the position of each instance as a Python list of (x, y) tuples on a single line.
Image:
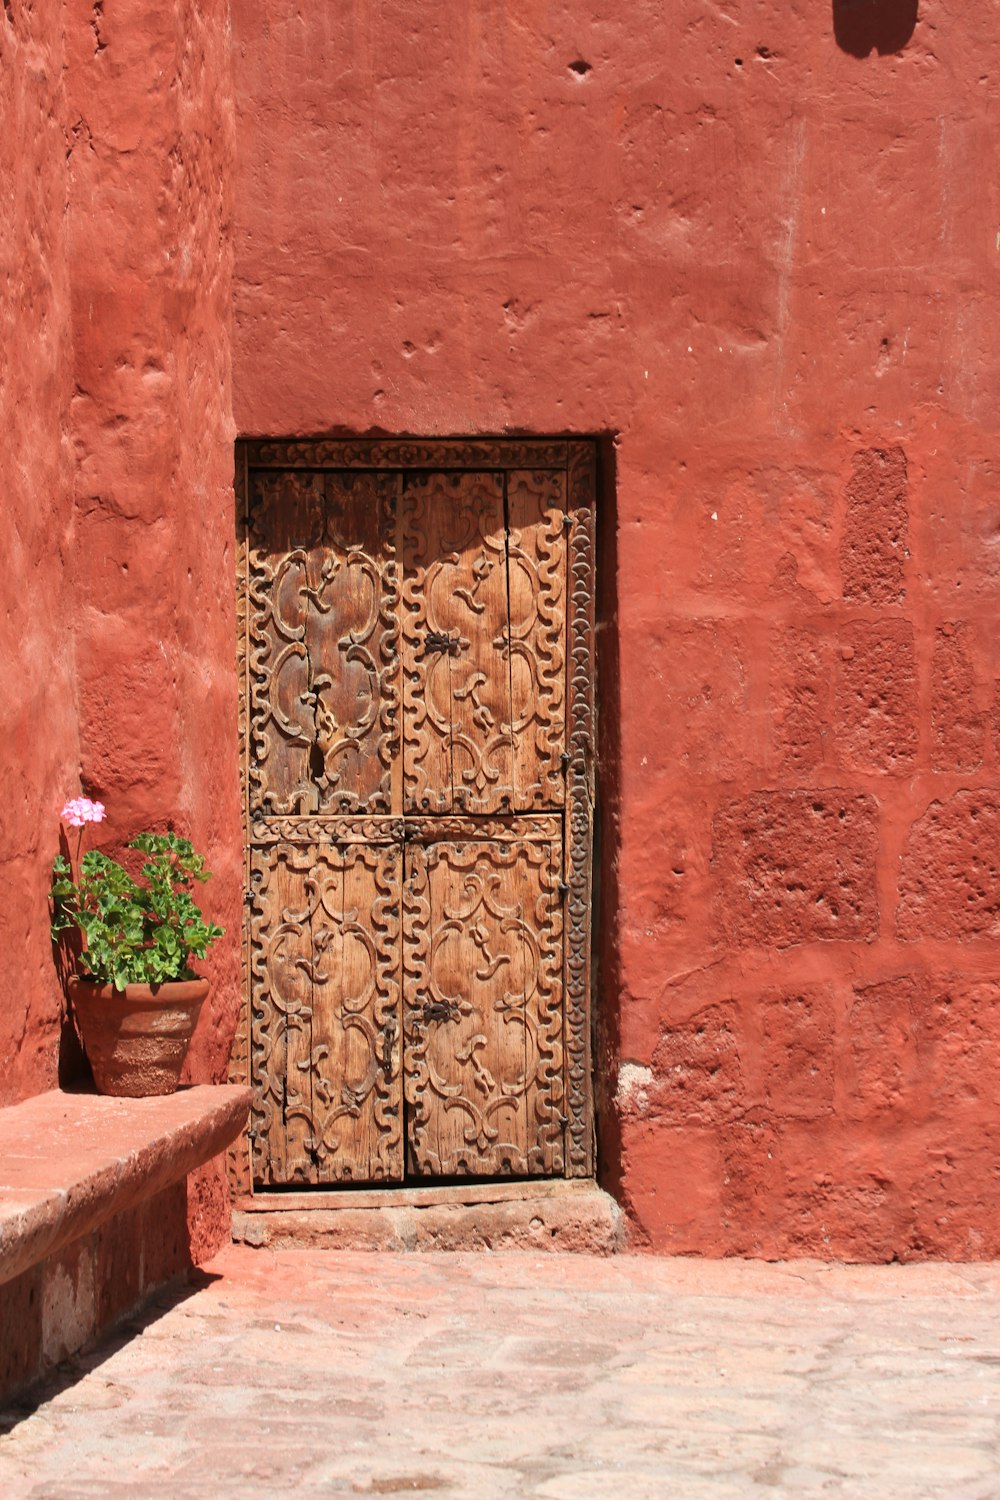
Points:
[(136, 931)]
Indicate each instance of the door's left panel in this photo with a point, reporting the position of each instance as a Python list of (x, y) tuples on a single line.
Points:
[(322, 642), (320, 647), (325, 1013)]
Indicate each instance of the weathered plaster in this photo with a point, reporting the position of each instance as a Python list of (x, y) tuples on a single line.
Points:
[(40, 744), (118, 620), (757, 244)]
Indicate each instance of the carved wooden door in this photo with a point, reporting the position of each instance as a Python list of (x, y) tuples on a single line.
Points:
[(417, 642)]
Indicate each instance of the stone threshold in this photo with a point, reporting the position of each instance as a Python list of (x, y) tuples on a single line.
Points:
[(554, 1215), (69, 1162)]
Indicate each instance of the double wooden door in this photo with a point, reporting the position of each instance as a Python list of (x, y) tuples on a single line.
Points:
[(417, 642)]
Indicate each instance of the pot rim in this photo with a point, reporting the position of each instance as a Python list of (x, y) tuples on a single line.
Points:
[(170, 991)]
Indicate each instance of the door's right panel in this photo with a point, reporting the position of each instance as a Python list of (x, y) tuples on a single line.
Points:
[(483, 1014), (484, 623)]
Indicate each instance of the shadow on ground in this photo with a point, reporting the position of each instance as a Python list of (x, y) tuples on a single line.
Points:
[(79, 1366)]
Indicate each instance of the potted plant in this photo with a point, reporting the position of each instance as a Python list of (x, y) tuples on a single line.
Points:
[(135, 997)]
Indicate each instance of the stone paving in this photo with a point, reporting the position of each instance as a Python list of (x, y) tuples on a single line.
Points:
[(568, 1377)]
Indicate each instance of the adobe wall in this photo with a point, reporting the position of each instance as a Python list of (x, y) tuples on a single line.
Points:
[(40, 747), (117, 627), (154, 541), (757, 244)]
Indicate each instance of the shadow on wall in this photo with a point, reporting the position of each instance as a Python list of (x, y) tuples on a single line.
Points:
[(864, 26)]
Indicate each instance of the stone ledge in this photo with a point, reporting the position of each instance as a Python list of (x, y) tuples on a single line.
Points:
[(68, 1162)]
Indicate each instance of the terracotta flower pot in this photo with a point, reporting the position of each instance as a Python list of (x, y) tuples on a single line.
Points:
[(136, 1041)]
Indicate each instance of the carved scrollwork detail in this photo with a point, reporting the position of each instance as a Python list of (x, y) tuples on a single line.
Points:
[(408, 454), (580, 805), (325, 829), (482, 961), (238, 1157), (496, 830), (434, 708), (483, 631), (536, 574), (323, 643), (325, 1015)]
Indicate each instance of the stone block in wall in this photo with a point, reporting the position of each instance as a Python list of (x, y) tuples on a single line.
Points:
[(802, 1188), (751, 1178), (699, 716), (673, 1186), (959, 1046), (697, 1073), (122, 1246), (794, 1070), (949, 882), (663, 865), (799, 710), (796, 867), (873, 546), (958, 727), (844, 695), (875, 702), (952, 1185), (922, 1046), (21, 1338), (881, 1070), (74, 1296), (842, 1197), (955, 518)]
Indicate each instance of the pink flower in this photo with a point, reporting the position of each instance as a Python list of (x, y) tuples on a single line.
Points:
[(81, 810)]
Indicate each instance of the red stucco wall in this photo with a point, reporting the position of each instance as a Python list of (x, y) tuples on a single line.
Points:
[(150, 186), (152, 430), (757, 243), (40, 742), (117, 625)]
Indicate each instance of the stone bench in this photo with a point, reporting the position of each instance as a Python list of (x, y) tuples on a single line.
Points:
[(93, 1211)]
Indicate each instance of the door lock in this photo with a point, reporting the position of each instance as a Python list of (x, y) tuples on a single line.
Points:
[(440, 640)]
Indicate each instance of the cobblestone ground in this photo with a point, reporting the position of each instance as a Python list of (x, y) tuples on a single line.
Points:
[(325, 1373)]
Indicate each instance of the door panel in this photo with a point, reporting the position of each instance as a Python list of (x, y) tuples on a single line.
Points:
[(417, 708), (323, 642), (484, 591), (456, 693), (325, 1009), (483, 1052)]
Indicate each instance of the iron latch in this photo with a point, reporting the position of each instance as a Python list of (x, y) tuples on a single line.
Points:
[(440, 640), (440, 1010)]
